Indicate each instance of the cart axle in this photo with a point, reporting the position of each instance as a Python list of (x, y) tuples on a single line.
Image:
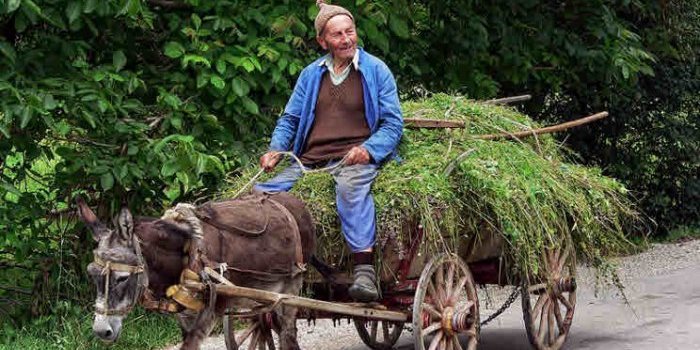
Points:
[(457, 321)]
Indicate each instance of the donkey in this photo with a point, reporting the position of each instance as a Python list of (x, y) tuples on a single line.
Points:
[(139, 259)]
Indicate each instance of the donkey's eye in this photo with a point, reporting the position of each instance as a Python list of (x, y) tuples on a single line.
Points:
[(121, 279)]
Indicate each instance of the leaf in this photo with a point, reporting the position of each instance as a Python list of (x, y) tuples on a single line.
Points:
[(8, 51), (240, 87), (312, 11), (132, 150), (10, 188), (195, 59), (33, 7), (176, 122), (25, 117), (625, 71), (90, 6), (221, 66), (196, 21), (217, 82), (107, 181), (118, 60), (4, 131), (250, 105), (99, 75), (248, 65), (120, 171), (89, 118), (102, 105), (216, 162), (12, 5), (169, 168), (49, 102), (177, 137), (172, 191), (174, 49), (399, 27), (201, 80), (73, 11)]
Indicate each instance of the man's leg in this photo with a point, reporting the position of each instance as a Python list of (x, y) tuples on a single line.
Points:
[(357, 219), (282, 182)]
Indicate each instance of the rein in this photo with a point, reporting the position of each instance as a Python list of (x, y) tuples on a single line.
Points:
[(304, 170), (108, 266)]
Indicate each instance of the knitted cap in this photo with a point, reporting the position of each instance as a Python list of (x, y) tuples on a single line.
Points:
[(326, 12)]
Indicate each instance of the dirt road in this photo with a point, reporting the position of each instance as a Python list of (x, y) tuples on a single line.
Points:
[(662, 285)]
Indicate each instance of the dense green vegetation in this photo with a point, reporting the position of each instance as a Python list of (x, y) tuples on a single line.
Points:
[(156, 101)]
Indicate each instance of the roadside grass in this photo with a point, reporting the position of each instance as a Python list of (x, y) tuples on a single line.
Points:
[(681, 234), (73, 331)]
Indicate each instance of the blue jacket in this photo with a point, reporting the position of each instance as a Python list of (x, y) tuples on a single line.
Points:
[(382, 109)]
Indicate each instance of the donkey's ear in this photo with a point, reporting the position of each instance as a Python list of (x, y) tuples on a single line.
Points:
[(88, 217), (125, 224)]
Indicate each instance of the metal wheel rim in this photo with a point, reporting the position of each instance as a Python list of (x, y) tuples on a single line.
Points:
[(462, 282), (546, 325), (391, 332)]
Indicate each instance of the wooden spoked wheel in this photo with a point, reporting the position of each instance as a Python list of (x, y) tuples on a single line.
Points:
[(446, 305), (370, 335), (258, 330), (548, 306)]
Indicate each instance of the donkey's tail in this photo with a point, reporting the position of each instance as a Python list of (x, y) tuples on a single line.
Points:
[(324, 269)]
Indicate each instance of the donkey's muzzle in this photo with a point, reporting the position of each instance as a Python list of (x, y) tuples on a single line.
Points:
[(105, 330)]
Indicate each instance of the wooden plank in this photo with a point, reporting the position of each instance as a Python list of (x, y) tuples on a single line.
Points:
[(506, 100), (432, 123), (293, 300)]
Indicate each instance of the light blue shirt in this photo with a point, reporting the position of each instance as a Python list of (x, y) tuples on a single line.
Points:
[(337, 79)]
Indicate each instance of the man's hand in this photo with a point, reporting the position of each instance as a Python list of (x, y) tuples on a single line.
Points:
[(357, 155), (269, 160)]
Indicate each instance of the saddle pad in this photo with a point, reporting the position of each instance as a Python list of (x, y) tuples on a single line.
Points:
[(247, 216)]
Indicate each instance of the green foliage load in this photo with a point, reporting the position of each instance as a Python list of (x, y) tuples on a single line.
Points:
[(524, 190)]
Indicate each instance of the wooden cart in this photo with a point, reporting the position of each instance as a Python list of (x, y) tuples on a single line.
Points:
[(434, 296)]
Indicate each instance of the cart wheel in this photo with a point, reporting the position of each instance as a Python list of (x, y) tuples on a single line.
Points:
[(549, 321), (445, 305), (367, 329), (258, 329)]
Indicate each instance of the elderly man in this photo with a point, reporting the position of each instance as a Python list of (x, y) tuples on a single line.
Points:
[(344, 107)]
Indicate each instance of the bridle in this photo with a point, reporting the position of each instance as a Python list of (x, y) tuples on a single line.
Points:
[(108, 266)]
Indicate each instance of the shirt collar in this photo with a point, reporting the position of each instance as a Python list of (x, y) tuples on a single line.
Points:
[(328, 60)]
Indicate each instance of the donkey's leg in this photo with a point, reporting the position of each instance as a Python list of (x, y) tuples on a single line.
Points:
[(288, 316), (199, 328)]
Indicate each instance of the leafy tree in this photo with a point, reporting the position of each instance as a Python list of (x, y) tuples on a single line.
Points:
[(652, 139)]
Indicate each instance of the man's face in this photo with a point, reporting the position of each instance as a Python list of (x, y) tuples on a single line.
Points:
[(339, 37)]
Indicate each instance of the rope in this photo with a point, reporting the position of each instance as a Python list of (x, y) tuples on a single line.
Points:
[(304, 170)]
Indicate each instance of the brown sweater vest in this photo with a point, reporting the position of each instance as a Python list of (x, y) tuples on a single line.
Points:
[(339, 123)]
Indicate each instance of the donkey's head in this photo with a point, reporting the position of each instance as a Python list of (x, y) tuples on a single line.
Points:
[(117, 270)]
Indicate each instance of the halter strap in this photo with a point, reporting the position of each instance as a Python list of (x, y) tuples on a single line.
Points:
[(108, 266)]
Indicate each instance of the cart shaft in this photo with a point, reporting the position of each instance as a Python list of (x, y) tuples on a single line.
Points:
[(297, 301)]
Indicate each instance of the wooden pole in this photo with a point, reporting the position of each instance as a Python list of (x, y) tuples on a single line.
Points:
[(506, 100), (415, 123), (547, 130), (297, 301)]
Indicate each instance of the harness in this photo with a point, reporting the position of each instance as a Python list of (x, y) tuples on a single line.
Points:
[(108, 266)]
